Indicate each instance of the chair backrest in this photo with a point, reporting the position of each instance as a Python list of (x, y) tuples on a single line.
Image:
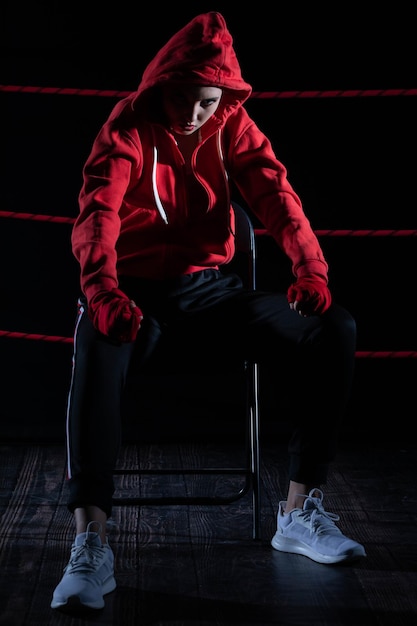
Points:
[(245, 243)]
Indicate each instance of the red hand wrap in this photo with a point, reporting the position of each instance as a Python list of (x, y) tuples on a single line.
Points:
[(113, 315), (312, 294)]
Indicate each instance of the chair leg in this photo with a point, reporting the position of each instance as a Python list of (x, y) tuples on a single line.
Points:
[(251, 471), (254, 449)]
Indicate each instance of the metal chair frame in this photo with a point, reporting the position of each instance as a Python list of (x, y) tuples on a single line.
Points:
[(246, 244)]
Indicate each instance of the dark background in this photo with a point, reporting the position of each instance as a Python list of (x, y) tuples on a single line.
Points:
[(351, 159)]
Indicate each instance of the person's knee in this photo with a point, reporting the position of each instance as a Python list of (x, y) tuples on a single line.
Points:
[(340, 321)]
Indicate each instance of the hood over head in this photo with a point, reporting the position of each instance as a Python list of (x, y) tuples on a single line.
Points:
[(200, 53)]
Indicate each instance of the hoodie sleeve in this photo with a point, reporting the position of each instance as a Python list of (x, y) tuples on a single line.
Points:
[(262, 180), (106, 176)]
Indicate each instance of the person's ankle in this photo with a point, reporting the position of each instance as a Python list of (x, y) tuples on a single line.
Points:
[(85, 515), (297, 493)]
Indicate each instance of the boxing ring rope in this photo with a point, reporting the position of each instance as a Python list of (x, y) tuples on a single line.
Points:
[(360, 354), (383, 354), (266, 95), (258, 231)]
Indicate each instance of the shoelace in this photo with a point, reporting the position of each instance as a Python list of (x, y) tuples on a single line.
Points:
[(319, 519), (86, 558)]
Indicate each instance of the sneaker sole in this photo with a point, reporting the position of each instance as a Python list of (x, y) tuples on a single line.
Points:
[(295, 547), (76, 604)]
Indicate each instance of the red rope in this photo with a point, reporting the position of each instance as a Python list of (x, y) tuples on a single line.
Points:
[(395, 354), (353, 233), (36, 337), (37, 217), (366, 233), (267, 95), (350, 93), (258, 231)]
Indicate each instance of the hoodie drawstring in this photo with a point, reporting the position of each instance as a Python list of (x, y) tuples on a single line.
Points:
[(155, 188)]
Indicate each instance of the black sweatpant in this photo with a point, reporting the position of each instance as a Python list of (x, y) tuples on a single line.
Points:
[(312, 358)]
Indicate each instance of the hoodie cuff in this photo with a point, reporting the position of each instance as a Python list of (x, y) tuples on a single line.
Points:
[(312, 267), (92, 290)]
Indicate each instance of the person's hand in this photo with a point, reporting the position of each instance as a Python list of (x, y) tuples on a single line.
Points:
[(309, 296), (115, 315)]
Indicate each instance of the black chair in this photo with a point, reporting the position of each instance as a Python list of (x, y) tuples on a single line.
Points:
[(249, 470)]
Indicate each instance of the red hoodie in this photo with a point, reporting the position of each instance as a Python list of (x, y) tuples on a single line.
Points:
[(136, 218)]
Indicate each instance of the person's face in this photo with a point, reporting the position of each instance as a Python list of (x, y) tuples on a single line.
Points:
[(188, 108)]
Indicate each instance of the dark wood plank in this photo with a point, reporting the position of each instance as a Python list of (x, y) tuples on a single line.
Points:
[(198, 565)]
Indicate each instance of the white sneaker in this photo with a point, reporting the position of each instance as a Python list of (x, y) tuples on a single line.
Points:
[(311, 531), (89, 574)]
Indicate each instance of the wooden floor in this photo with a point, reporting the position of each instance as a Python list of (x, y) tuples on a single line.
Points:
[(199, 565)]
